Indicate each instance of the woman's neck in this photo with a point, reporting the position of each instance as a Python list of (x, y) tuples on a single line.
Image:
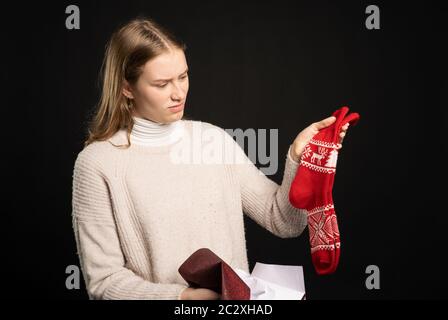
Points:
[(149, 133)]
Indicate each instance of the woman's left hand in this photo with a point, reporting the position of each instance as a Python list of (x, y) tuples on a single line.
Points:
[(309, 132)]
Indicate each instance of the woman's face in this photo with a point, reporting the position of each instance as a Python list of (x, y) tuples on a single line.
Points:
[(162, 85)]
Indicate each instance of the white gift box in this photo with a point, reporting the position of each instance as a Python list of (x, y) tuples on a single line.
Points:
[(274, 282)]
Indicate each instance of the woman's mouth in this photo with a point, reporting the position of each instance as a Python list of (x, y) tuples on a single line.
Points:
[(177, 108)]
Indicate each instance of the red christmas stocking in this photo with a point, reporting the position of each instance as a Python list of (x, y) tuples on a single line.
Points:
[(312, 188), (352, 119)]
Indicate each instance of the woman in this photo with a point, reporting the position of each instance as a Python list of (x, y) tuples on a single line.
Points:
[(138, 213)]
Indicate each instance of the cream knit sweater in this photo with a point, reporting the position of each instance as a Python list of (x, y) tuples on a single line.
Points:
[(138, 214)]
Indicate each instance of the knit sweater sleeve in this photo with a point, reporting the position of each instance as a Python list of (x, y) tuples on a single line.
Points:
[(98, 244), (266, 202)]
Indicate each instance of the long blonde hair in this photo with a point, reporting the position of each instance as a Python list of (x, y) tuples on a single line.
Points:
[(128, 49)]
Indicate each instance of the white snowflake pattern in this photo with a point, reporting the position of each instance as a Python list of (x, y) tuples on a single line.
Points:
[(306, 153), (320, 228)]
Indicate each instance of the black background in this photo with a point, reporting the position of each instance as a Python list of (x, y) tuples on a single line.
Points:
[(274, 65)]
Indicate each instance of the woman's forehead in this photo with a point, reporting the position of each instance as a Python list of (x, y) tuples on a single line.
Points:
[(165, 66)]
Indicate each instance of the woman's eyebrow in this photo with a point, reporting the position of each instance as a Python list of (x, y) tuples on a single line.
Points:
[(170, 79)]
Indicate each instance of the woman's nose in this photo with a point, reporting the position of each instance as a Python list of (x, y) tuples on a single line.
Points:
[(178, 93)]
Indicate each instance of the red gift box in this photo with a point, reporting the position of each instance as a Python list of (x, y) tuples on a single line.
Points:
[(204, 269)]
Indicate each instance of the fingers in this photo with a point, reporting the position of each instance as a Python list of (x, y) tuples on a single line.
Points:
[(343, 133), (328, 121), (325, 123), (341, 137)]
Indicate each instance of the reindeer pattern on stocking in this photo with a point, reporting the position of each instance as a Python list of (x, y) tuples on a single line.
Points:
[(322, 153), (320, 156)]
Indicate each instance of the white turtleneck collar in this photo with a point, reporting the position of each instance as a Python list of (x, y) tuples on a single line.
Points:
[(149, 133)]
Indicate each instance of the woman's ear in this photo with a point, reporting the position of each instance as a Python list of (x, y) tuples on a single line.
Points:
[(127, 90)]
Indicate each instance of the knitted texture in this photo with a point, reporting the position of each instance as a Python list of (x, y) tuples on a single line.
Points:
[(312, 190), (137, 215)]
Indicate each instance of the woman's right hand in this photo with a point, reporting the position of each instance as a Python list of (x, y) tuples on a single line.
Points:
[(199, 294)]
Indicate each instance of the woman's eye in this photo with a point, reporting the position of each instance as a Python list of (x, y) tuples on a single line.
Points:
[(162, 85), (183, 77)]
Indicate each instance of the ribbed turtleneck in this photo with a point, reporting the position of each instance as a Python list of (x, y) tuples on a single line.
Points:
[(149, 133)]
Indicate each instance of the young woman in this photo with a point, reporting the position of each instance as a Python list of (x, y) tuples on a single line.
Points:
[(138, 211)]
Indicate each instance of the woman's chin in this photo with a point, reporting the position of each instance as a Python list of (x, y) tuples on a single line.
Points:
[(177, 115), (174, 117)]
